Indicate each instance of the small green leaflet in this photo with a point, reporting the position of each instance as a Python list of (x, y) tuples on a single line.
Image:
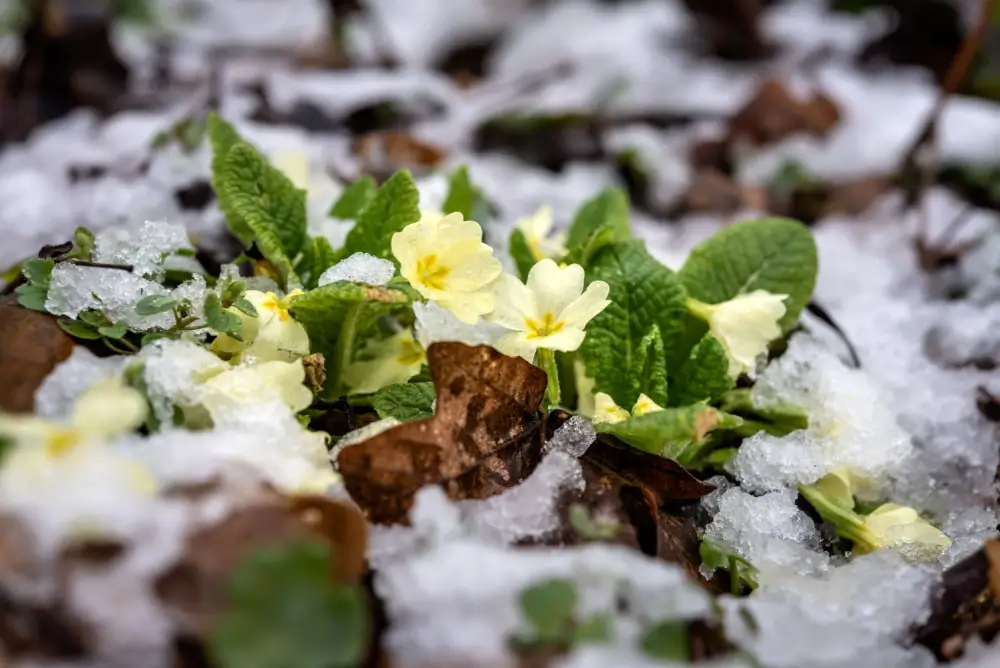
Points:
[(79, 330), (741, 571), (224, 137), (265, 201), (587, 527), (395, 205), (354, 199), (673, 433), (704, 376), (405, 401), (284, 611), (37, 272), (115, 331), (32, 296), (651, 368), (244, 306), (335, 313), (778, 420), (83, 239), (644, 294), (463, 197), (773, 254), (548, 607), (219, 318), (610, 211), (524, 259), (153, 304), (667, 641)]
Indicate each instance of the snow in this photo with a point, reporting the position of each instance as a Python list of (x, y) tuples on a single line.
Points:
[(144, 247), (360, 268), (55, 396)]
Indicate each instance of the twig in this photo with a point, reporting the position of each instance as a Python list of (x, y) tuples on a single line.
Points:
[(102, 265)]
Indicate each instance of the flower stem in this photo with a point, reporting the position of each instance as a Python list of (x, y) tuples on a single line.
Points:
[(698, 309), (847, 523), (342, 351), (547, 363)]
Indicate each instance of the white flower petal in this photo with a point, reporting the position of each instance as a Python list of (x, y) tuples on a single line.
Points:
[(513, 303), (108, 408), (606, 410), (516, 344), (582, 310), (566, 340), (555, 287)]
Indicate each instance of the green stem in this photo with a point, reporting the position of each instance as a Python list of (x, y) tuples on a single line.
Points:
[(547, 363), (735, 583), (698, 309), (847, 523), (342, 351)]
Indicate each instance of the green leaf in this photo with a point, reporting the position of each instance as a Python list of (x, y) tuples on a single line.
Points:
[(773, 254), (668, 641), (32, 296), (672, 433), (115, 331), (244, 306), (285, 611), (777, 419), (584, 253), (592, 631), (354, 199), (320, 256), (644, 293), (79, 330), (395, 205), (325, 311), (651, 367), (405, 401), (463, 197), (37, 272), (94, 318), (704, 376), (83, 239), (521, 252), (548, 606), (589, 528), (219, 318), (224, 137), (741, 572), (609, 210), (266, 202), (152, 304)]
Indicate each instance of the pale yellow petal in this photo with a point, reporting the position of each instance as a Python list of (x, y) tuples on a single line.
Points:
[(370, 376), (644, 405), (25, 429), (565, 340), (289, 378), (468, 306), (108, 408), (514, 303), (517, 344), (555, 287), (606, 410), (405, 246), (582, 310)]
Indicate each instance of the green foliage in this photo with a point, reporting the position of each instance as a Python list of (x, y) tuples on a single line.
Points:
[(667, 641), (32, 295), (524, 259), (395, 205), (83, 240), (589, 528), (463, 196), (777, 419), (741, 572), (354, 199), (79, 330), (704, 376), (220, 319), (609, 210), (549, 607), (285, 611), (318, 256), (153, 304), (223, 137), (405, 401), (674, 433), (651, 367), (644, 294)]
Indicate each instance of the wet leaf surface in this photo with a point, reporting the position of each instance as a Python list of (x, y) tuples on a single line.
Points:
[(484, 436)]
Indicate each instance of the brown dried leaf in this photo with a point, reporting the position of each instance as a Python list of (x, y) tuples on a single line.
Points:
[(31, 345), (773, 113), (481, 439), (384, 152), (992, 550), (854, 197), (711, 191), (665, 478)]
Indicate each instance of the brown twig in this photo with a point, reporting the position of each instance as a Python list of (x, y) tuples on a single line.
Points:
[(102, 265)]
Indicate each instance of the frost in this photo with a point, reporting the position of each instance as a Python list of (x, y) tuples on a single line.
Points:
[(172, 371), (55, 396), (572, 437), (144, 247), (435, 323), (360, 268)]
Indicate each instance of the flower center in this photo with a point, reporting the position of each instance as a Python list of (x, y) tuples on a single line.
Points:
[(431, 273), (61, 441), (547, 325), (280, 306), (410, 353)]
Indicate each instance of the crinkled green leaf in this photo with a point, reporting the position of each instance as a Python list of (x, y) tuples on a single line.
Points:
[(463, 196), (644, 293), (776, 419), (153, 304), (354, 199), (79, 330), (340, 309), (667, 641), (32, 296), (610, 209), (37, 272), (651, 367), (667, 433), (584, 253), (268, 203), (223, 137), (285, 611), (704, 376), (245, 306), (521, 252), (395, 205), (319, 257), (773, 254), (548, 606), (405, 401)]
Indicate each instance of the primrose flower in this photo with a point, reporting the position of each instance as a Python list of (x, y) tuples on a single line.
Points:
[(445, 259), (901, 528), (106, 409), (392, 360), (550, 311), (536, 229), (273, 335), (606, 410), (743, 325), (239, 388)]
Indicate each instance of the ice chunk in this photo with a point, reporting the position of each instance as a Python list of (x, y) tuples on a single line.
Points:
[(144, 247), (854, 616), (528, 510), (172, 370), (55, 396), (360, 268), (769, 531), (851, 424), (435, 323), (572, 437)]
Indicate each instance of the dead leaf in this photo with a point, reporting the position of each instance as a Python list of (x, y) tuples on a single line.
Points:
[(711, 191), (386, 151), (342, 525), (482, 438), (667, 479), (853, 198), (31, 345), (992, 550), (773, 113)]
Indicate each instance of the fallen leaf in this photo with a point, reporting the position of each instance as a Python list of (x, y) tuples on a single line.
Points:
[(31, 345), (773, 113), (385, 152), (711, 191), (482, 439)]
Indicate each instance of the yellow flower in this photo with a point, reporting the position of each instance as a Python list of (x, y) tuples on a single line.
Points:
[(901, 528), (645, 405), (273, 335), (445, 259), (606, 410), (550, 311), (240, 388), (536, 228), (392, 360), (106, 409), (838, 487), (743, 325)]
